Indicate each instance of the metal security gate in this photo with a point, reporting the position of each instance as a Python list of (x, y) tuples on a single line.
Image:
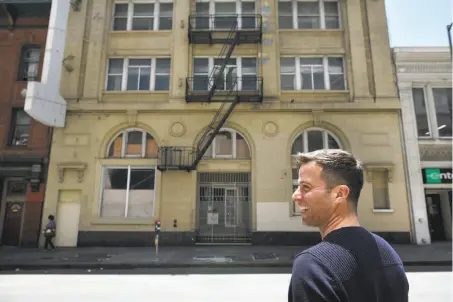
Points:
[(223, 208)]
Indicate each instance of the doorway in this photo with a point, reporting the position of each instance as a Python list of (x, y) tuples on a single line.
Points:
[(438, 206), (12, 209), (223, 214)]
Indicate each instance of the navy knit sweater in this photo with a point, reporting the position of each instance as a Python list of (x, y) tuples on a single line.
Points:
[(349, 265)]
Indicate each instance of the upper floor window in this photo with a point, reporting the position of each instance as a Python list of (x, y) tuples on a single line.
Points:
[(433, 111), (308, 14), (312, 73), (128, 74), (225, 14), (29, 63), (228, 144), (20, 127), (238, 71), (311, 140), (143, 15), (133, 143)]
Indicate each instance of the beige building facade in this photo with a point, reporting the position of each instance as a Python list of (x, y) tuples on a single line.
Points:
[(191, 112)]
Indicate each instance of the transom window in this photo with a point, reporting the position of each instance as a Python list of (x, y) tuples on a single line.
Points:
[(308, 14), (143, 15), (239, 72), (133, 143), (311, 140), (433, 111), (127, 192), (132, 74), (228, 144), (312, 73), (224, 14)]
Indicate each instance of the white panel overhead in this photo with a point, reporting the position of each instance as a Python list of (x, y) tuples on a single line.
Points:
[(43, 101)]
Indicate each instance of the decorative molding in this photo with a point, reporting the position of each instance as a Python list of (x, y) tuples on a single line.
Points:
[(270, 129), (75, 166), (426, 67), (317, 118), (370, 167), (132, 117), (177, 129)]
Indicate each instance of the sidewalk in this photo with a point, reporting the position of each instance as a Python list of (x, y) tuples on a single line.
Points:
[(437, 254)]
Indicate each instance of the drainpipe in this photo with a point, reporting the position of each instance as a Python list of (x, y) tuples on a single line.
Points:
[(43, 101), (449, 37)]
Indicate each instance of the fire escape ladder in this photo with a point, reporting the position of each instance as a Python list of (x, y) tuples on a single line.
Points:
[(214, 127), (225, 55)]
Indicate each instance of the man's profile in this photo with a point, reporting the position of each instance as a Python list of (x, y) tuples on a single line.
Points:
[(350, 264)]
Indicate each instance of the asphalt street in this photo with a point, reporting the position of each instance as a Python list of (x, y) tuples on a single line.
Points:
[(140, 286)]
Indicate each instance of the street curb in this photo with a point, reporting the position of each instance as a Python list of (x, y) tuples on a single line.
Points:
[(126, 266)]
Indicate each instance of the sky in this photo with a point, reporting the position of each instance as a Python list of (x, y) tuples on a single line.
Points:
[(418, 22)]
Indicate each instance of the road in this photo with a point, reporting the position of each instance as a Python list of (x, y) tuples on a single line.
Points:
[(425, 286)]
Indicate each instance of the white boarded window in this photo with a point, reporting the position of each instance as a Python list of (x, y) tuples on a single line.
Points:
[(127, 192)]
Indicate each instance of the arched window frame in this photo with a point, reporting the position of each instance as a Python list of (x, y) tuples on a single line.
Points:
[(211, 152), (124, 134), (325, 141)]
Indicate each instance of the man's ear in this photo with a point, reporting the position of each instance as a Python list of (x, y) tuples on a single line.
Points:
[(342, 192)]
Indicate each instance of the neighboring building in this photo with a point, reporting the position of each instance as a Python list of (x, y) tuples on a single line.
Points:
[(24, 143), (150, 134), (424, 81)]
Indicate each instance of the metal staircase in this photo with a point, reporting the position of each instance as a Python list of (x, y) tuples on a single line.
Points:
[(187, 158)]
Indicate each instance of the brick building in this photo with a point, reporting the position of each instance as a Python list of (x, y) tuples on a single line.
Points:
[(24, 142)]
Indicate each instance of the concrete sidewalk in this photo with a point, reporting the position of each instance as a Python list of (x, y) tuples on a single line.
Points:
[(437, 254)]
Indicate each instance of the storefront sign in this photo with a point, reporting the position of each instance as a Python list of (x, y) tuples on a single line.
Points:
[(437, 176)]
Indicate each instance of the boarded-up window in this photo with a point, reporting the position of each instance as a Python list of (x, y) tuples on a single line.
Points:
[(128, 192), (133, 143), (380, 190)]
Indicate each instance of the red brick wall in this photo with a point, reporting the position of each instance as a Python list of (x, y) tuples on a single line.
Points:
[(11, 43)]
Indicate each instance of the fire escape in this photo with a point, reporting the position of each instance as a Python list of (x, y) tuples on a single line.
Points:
[(221, 85)]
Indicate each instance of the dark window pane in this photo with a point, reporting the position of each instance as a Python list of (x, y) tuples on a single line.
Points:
[(134, 137), (298, 145), (420, 112), (142, 179), (162, 82), (315, 140), (332, 143), (443, 104)]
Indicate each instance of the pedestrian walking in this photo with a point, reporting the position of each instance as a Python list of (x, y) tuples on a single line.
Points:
[(350, 264), (49, 233)]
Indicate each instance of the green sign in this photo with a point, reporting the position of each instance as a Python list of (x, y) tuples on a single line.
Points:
[(437, 176)]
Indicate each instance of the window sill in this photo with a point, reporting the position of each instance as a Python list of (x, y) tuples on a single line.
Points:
[(315, 95), (122, 221), (140, 95), (308, 30), (141, 32), (383, 211)]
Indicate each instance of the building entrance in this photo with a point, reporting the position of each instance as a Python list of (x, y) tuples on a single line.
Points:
[(439, 209)]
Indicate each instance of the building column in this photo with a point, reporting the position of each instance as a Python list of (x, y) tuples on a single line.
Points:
[(416, 192)]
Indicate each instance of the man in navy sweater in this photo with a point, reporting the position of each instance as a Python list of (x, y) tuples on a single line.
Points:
[(350, 264)]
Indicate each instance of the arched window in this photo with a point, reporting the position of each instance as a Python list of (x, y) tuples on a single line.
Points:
[(310, 140), (228, 144), (133, 143), (128, 189)]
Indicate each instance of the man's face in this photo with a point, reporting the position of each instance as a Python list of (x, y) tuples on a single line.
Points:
[(315, 201)]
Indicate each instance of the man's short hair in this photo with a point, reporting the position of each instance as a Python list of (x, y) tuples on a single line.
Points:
[(339, 168)]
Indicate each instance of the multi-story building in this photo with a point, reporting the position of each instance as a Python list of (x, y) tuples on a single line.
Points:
[(424, 81), (191, 112), (24, 142)]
